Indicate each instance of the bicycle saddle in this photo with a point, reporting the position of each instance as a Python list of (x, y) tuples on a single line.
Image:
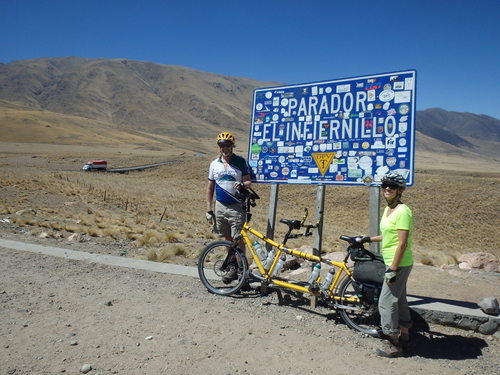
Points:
[(357, 240), (292, 224)]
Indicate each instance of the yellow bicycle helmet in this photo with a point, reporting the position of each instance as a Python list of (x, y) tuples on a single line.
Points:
[(225, 137)]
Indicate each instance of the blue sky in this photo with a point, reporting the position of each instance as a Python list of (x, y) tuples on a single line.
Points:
[(453, 44)]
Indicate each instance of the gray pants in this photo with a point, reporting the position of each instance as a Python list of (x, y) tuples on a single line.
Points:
[(392, 304)]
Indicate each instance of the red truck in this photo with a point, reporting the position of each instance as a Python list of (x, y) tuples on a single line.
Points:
[(95, 165)]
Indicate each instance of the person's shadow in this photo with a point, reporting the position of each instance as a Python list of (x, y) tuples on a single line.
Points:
[(436, 345), (424, 342)]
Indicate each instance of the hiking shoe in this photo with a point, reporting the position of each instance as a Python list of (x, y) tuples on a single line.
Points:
[(389, 349), (231, 275), (404, 340), (246, 287)]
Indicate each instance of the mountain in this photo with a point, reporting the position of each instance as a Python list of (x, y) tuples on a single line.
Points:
[(72, 99), (459, 129), (140, 96)]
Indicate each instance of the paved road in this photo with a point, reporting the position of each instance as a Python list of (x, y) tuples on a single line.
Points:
[(109, 260), (459, 314), (138, 167)]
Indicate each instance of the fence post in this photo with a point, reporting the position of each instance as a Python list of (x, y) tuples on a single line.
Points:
[(163, 214)]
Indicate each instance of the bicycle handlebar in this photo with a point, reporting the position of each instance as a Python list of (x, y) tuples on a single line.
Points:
[(247, 194), (357, 240)]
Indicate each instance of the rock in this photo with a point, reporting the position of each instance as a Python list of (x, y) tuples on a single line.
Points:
[(26, 211), (480, 260), (86, 368), (300, 271), (336, 256), (488, 328), (464, 266), (489, 306), (43, 235), (75, 237), (306, 249)]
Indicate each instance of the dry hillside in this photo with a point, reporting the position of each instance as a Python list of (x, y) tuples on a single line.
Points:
[(136, 96), (456, 212)]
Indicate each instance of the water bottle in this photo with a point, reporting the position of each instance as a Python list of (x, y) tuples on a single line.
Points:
[(261, 252), (315, 273), (328, 280), (279, 265), (269, 259)]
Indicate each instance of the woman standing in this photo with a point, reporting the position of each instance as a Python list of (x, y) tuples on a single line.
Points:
[(396, 228)]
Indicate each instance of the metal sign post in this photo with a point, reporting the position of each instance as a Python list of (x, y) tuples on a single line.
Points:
[(318, 233), (374, 207), (320, 207), (271, 220)]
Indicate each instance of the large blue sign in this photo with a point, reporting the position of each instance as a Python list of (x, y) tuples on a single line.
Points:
[(347, 131)]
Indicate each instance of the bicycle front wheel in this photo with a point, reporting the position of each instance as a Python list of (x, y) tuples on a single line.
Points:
[(222, 268), (362, 316)]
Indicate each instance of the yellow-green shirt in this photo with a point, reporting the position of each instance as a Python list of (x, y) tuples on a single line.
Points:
[(400, 219)]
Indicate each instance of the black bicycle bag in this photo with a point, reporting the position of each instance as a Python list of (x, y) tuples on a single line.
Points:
[(368, 267), (368, 292)]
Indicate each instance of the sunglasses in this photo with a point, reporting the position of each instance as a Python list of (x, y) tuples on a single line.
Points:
[(226, 144), (389, 185)]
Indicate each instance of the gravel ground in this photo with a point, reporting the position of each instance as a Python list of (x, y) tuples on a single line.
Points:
[(57, 316)]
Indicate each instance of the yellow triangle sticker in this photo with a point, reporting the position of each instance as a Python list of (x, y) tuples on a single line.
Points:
[(323, 160)]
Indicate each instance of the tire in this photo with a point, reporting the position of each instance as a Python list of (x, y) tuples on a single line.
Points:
[(222, 268), (364, 317)]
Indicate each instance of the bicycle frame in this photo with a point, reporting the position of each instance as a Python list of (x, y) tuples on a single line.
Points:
[(281, 248), (355, 301)]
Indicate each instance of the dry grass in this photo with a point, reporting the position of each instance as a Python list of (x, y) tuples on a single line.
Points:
[(165, 254), (455, 212)]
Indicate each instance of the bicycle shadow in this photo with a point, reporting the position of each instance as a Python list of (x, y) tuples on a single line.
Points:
[(426, 343)]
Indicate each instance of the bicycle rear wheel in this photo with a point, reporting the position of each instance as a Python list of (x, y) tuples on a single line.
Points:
[(222, 268), (362, 316)]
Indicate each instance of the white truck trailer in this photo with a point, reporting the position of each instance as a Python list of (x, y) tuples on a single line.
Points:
[(95, 165)]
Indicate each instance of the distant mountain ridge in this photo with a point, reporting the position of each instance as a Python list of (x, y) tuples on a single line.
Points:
[(173, 101), (452, 127), (137, 95)]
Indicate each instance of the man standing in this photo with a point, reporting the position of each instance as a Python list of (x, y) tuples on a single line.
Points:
[(227, 174)]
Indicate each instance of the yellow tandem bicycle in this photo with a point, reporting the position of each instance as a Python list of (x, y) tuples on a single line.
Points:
[(224, 270)]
